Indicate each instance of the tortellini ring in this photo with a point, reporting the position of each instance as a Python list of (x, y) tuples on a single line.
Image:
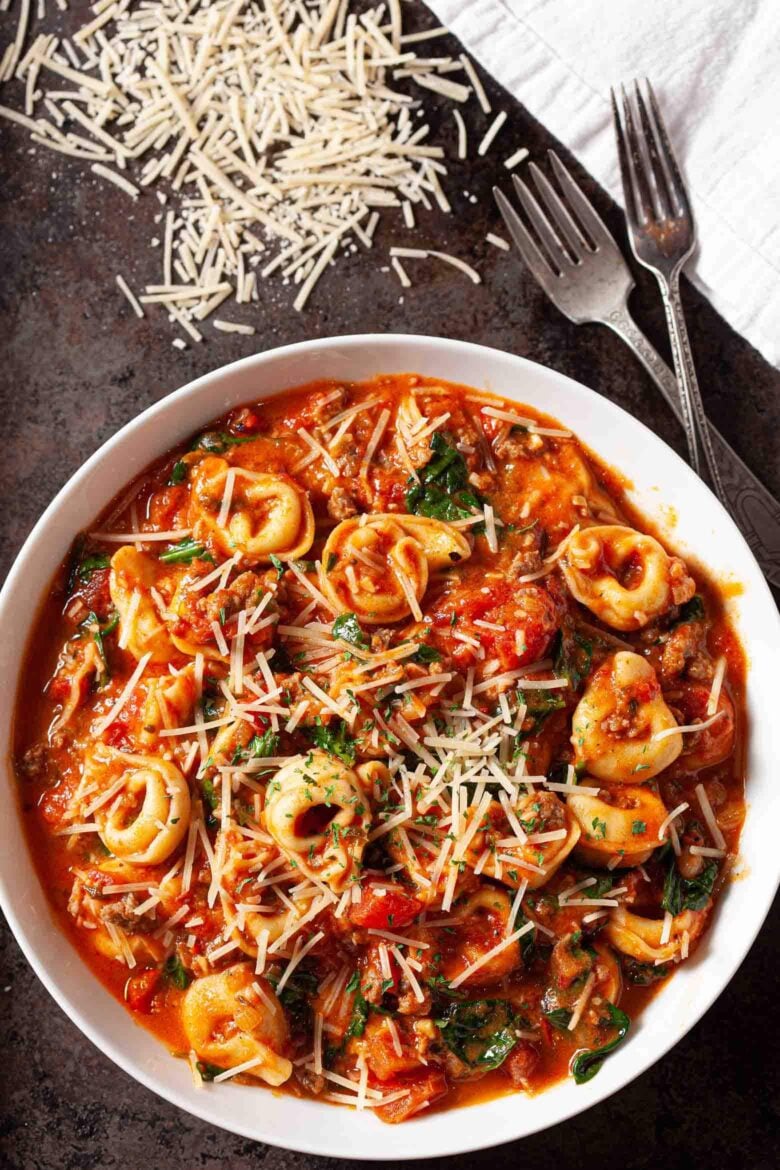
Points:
[(627, 829), (640, 938), (268, 515), (227, 1024), (534, 862), (616, 721), (318, 814), (141, 629), (626, 578), (378, 568), (149, 817)]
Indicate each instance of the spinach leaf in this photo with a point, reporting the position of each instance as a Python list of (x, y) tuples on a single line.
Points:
[(216, 442), (559, 1018), (585, 1066), (178, 473), (443, 492), (538, 706), (175, 973), (643, 974), (572, 656), (481, 1032), (297, 996), (691, 611), (348, 629), (258, 747), (277, 564), (185, 552), (687, 893), (98, 632), (91, 564), (208, 1071), (357, 1024), (337, 742), (426, 654)]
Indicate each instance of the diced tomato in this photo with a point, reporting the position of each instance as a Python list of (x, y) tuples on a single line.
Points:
[(117, 734), (383, 911), (140, 990), (419, 1092), (380, 1052)]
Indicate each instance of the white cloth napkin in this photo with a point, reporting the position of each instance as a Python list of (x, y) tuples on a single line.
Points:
[(715, 67)]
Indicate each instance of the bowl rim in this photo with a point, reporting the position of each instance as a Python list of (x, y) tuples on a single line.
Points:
[(299, 1141)]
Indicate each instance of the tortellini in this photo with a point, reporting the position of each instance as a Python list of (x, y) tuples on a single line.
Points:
[(486, 920), (377, 568), (534, 861), (227, 1024), (624, 577), (640, 938), (624, 826), (268, 515), (141, 629), (169, 702), (617, 719), (318, 814), (149, 816)]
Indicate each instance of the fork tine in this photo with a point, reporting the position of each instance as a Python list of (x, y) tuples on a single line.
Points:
[(536, 263), (634, 179), (672, 171), (552, 200), (586, 214), (545, 230), (662, 197)]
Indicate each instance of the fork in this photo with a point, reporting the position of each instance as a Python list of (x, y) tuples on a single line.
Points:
[(662, 235), (581, 269)]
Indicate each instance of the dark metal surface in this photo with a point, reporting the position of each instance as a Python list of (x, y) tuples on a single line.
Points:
[(76, 365)]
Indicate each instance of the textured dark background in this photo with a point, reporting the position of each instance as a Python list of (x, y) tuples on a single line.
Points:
[(76, 365)]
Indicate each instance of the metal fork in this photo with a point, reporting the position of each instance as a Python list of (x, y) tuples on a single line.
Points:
[(580, 267), (662, 236)]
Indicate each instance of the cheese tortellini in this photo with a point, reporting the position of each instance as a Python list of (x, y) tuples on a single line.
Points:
[(616, 722), (170, 699), (141, 629), (624, 823), (378, 567), (541, 815), (640, 938), (318, 814), (149, 816), (227, 1024), (268, 514), (624, 577)]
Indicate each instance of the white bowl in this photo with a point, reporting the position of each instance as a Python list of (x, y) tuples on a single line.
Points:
[(663, 487)]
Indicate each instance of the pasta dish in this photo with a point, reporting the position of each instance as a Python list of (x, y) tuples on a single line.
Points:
[(370, 747)]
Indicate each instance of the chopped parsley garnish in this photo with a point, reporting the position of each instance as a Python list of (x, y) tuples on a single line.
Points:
[(277, 564), (426, 654), (336, 741)]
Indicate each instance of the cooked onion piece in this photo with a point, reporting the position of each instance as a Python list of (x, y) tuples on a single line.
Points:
[(640, 938), (149, 816), (623, 822), (228, 1024), (266, 515), (624, 577), (509, 859), (377, 567), (617, 719), (318, 815), (141, 629)]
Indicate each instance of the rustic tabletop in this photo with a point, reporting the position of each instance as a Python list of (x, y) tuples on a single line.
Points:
[(77, 365)]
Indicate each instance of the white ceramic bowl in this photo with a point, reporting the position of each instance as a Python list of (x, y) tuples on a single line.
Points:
[(664, 487)]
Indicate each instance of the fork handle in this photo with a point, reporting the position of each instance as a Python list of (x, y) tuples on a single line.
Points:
[(755, 510)]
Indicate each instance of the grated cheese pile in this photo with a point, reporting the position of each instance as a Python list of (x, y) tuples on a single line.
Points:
[(273, 133)]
